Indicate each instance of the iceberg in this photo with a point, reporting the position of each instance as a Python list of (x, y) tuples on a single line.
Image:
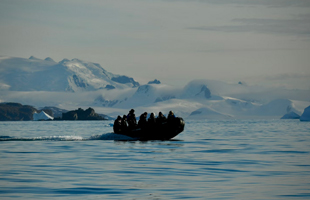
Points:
[(277, 107), (291, 115), (306, 115), (41, 116)]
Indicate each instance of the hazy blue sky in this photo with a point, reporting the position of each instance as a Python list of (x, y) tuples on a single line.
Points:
[(174, 41)]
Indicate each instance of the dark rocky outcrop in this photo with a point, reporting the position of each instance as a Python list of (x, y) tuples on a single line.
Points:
[(80, 114), (109, 87), (204, 90), (154, 82), (16, 112), (164, 98), (125, 80), (79, 82)]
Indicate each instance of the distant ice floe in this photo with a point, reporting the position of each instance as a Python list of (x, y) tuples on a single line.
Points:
[(306, 114), (277, 107)]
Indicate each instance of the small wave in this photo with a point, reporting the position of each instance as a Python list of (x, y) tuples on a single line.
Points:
[(111, 136), (105, 136), (5, 137), (108, 125), (43, 138)]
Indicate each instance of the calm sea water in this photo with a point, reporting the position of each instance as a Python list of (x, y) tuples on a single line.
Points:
[(237, 159)]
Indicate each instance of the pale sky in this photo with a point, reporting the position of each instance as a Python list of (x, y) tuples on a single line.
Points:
[(174, 41)]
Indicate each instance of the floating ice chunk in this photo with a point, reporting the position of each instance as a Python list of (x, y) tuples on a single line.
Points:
[(41, 116)]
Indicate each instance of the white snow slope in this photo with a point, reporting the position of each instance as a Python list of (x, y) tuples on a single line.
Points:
[(197, 100), (41, 116), (45, 82), (20, 74)]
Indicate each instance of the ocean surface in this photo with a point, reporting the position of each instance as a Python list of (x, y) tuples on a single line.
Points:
[(234, 159)]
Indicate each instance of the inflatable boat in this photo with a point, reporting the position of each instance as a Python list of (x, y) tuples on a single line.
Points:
[(163, 131)]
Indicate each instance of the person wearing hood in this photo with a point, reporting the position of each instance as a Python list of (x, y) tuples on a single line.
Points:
[(171, 115), (131, 119), (124, 123), (142, 120), (117, 127), (161, 118), (152, 120)]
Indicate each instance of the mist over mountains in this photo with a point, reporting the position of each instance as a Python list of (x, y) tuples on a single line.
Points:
[(75, 83)]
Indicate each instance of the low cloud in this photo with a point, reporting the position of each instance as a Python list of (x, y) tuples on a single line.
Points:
[(299, 26), (288, 76), (268, 3)]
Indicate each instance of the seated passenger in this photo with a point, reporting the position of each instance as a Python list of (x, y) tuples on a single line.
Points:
[(131, 119), (117, 125), (161, 118), (124, 123), (152, 120), (142, 121), (171, 115)]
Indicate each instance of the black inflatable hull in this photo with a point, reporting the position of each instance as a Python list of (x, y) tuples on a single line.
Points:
[(164, 131)]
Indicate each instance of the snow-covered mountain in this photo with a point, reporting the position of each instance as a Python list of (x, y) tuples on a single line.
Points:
[(33, 74), (142, 96), (196, 100), (45, 82)]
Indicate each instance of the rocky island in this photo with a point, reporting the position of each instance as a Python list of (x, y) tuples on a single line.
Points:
[(80, 114), (18, 112)]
